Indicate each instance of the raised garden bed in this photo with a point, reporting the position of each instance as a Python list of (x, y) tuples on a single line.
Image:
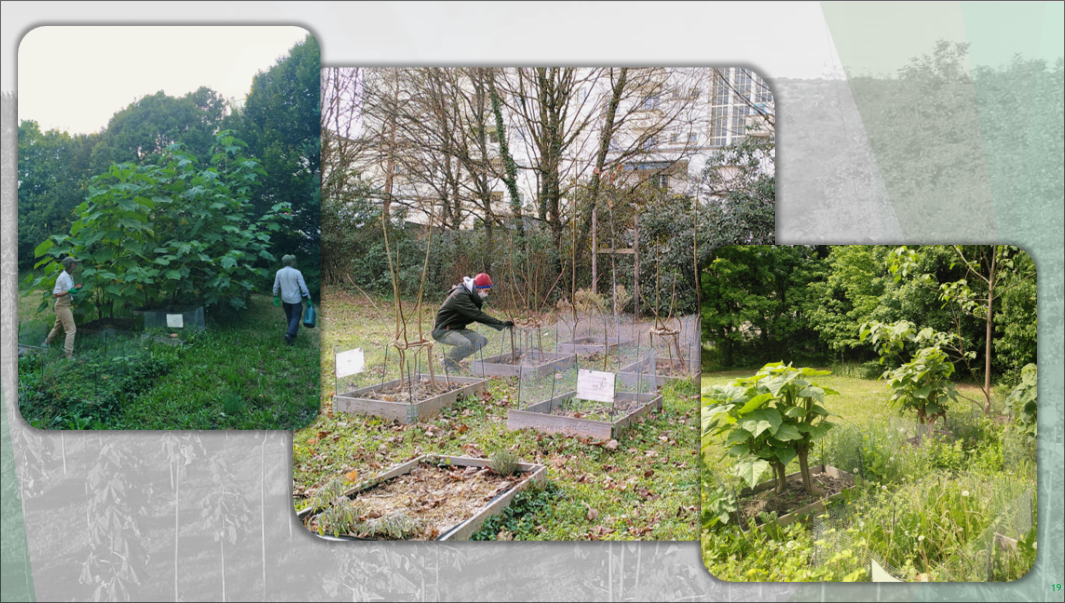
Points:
[(433, 497), (665, 371), (521, 363), (794, 503), (390, 400), (554, 415), (591, 345)]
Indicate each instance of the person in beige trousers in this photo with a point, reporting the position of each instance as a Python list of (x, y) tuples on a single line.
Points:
[(63, 293)]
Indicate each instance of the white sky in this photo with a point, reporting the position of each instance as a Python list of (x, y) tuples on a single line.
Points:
[(74, 78)]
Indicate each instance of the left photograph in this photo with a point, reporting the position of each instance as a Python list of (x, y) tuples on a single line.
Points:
[(168, 227)]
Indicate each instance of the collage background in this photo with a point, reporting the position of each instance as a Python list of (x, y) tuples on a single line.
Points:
[(273, 557)]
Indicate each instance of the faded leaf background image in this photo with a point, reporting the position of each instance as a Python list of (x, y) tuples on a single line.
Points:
[(927, 156)]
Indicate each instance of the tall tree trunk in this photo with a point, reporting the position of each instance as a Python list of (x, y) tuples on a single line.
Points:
[(605, 136), (779, 469), (989, 332), (510, 169), (804, 468)]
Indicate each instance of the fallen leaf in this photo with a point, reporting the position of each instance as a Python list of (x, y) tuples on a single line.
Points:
[(611, 445), (353, 476)]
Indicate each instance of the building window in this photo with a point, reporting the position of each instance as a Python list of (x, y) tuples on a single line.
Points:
[(650, 102), (693, 138), (719, 126), (650, 143), (659, 181)]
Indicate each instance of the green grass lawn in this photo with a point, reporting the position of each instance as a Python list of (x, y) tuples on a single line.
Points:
[(645, 489), (928, 511), (238, 374)]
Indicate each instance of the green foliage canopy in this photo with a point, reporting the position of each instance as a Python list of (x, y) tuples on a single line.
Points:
[(167, 233)]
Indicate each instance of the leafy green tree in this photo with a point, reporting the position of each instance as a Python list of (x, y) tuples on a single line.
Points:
[(848, 296), (923, 385), (142, 131), (741, 184), (53, 174), (1022, 402), (167, 233), (754, 302), (1017, 320), (770, 419), (282, 124)]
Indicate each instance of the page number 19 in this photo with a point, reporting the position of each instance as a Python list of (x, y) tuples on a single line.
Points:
[(1055, 587)]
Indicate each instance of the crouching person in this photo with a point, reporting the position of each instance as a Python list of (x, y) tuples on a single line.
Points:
[(463, 306)]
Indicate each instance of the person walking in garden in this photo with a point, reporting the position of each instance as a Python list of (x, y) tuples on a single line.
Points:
[(63, 293), (463, 306), (293, 289)]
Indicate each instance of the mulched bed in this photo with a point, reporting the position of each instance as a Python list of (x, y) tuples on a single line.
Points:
[(794, 497), (423, 390), (436, 498), (597, 411)]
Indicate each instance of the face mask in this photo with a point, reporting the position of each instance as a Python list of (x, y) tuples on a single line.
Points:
[(482, 293)]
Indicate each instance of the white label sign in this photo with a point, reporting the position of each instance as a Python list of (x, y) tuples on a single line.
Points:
[(350, 363), (595, 385), (175, 321)]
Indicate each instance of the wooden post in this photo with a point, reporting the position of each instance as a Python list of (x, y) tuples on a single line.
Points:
[(595, 254), (636, 266)]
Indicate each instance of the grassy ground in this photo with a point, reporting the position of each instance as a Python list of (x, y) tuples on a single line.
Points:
[(646, 489), (928, 512), (238, 374)]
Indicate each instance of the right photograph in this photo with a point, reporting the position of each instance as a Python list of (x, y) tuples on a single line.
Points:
[(868, 413), (512, 341)]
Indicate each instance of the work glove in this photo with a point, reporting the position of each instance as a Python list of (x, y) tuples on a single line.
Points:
[(509, 324), (309, 302), (277, 301)]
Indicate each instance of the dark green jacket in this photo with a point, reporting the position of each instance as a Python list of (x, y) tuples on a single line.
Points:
[(460, 309)]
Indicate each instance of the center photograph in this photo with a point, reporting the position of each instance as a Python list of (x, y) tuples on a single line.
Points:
[(510, 310)]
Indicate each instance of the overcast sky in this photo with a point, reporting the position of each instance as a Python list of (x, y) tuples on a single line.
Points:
[(74, 78)]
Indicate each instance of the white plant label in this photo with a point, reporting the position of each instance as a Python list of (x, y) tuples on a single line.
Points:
[(175, 321), (595, 385), (350, 363)]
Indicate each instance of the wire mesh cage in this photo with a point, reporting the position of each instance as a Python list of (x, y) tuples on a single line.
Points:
[(526, 348), (181, 318), (677, 345), (594, 330), (591, 396), (406, 382)]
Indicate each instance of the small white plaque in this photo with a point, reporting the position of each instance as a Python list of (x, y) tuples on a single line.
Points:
[(350, 362), (175, 321), (595, 385)]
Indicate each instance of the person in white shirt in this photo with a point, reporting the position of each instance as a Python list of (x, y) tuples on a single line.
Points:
[(63, 293), (292, 287)]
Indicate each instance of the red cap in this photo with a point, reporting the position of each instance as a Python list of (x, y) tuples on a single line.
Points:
[(482, 281)]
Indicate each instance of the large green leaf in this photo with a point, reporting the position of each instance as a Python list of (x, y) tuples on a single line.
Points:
[(43, 248), (787, 433), (750, 470), (755, 403), (785, 455)]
